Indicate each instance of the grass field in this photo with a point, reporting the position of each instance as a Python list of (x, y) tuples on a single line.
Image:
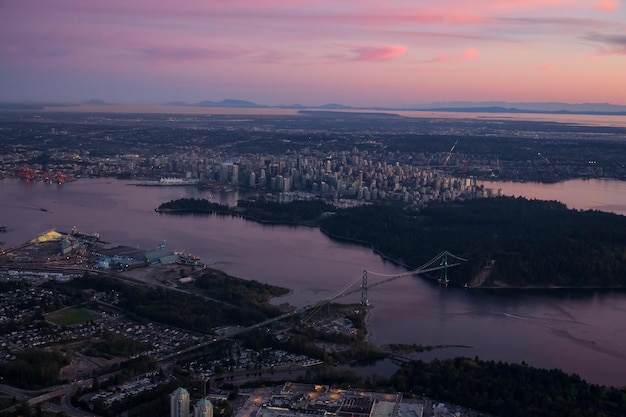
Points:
[(71, 316)]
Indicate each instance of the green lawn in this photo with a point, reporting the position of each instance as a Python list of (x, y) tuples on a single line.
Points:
[(71, 316)]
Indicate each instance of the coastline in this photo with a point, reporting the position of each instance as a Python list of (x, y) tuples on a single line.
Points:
[(502, 287), (230, 213)]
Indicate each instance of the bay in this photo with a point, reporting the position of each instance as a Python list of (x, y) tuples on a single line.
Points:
[(582, 332), (590, 194)]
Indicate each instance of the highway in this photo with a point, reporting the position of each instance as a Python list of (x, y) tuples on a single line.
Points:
[(33, 398)]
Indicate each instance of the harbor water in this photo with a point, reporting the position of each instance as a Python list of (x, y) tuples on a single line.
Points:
[(582, 332)]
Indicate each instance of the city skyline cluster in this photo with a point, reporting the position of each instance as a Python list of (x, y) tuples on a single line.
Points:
[(391, 157), (352, 175), (372, 53)]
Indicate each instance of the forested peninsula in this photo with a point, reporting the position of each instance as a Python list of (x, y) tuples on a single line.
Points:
[(296, 212), (508, 242)]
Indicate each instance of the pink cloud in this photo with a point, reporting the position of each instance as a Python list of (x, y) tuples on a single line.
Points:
[(470, 19), (202, 8), (263, 41), (467, 55), (379, 53), (178, 54), (488, 7), (607, 6), (306, 19), (470, 53)]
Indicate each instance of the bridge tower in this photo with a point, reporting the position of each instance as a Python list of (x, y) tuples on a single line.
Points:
[(364, 299), (443, 277)]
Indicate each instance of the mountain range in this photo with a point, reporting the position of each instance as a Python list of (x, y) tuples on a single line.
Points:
[(454, 106), (449, 106), (528, 107)]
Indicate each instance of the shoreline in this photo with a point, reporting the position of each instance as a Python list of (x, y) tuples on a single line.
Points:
[(388, 258)]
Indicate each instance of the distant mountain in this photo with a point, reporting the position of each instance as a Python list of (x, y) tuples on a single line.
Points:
[(503, 106), (334, 106), (451, 106), (516, 110), (176, 103), (206, 103), (230, 103), (239, 103), (492, 109), (293, 106), (95, 102), (348, 114)]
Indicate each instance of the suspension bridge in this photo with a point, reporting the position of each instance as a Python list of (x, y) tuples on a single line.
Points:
[(442, 262)]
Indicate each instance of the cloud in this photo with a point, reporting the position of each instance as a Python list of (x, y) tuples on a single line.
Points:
[(269, 42), (269, 56), (439, 37), (607, 6), (470, 53), (379, 53), (612, 44), (177, 54), (467, 55), (571, 22)]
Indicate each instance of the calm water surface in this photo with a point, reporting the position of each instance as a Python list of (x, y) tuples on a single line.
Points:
[(581, 119), (579, 332), (603, 195)]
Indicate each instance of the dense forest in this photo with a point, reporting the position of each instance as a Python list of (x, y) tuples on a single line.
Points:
[(508, 389), (192, 205), (496, 388), (297, 212), (33, 368), (508, 241)]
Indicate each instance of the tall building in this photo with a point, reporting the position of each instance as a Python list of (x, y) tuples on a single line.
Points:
[(234, 178), (203, 408), (179, 403)]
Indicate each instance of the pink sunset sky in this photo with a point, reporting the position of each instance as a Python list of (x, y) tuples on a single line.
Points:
[(354, 52)]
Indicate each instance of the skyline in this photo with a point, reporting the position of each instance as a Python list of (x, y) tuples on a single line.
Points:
[(277, 52)]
